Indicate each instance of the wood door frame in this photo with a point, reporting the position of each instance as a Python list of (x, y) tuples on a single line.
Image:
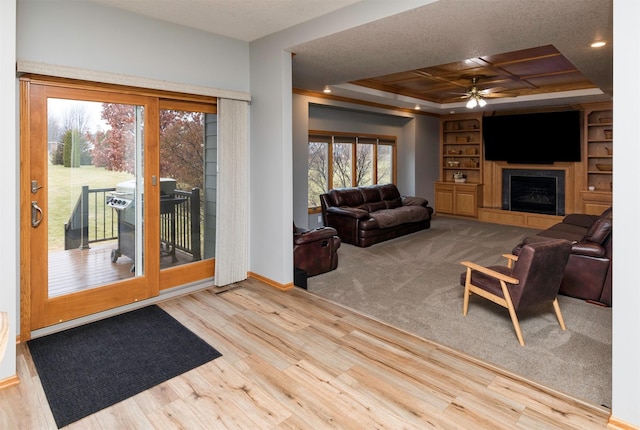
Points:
[(34, 297), (167, 278)]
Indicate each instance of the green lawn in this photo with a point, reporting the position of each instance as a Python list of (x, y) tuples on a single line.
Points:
[(65, 186)]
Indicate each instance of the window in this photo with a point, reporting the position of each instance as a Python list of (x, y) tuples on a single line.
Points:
[(340, 160)]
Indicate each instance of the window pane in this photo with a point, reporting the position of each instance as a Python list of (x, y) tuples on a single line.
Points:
[(318, 172), (342, 165), (385, 164), (182, 192), (364, 164)]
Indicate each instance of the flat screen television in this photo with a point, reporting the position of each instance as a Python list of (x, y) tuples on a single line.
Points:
[(536, 138)]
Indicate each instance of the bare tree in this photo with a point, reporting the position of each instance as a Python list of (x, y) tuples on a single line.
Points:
[(318, 169), (77, 118)]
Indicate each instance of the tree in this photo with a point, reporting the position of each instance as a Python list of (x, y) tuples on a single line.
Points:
[(115, 150), (318, 171), (71, 148), (182, 147)]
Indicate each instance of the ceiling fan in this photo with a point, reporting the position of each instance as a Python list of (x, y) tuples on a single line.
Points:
[(476, 96)]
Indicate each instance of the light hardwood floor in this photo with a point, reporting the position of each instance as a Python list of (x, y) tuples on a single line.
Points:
[(292, 360)]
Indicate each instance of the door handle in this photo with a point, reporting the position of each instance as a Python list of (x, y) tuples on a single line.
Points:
[(35, 187), (35, 211)]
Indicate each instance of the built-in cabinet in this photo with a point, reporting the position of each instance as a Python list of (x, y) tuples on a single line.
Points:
[(459, 191), (458, 199), (598, 158)]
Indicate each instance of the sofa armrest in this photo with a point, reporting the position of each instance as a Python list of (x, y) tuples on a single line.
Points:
[(349, 212), (588, 249), (582, 220), (414, 201), (314, 235)]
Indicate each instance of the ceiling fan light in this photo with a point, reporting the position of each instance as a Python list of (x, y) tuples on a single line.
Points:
[(482, 102), (472, 103)]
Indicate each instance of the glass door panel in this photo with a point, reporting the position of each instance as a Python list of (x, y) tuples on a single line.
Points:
[(95, 189), (188, 140)]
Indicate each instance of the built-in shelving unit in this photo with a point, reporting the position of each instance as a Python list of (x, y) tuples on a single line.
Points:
[(461, 149), (459, 191), (598, 162)]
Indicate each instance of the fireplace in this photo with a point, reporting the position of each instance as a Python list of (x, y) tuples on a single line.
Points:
[(534, 191)]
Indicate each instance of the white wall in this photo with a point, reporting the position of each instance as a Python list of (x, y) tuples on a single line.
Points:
[(9, 162), (89, 36), (626, 191)]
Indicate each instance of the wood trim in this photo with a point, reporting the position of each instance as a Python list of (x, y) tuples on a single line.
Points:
[(108, 78), (354, 135), (361, 102), (25, 250), (187, 273), (617, 424), (271, 282), (523, 219), (9, 382)]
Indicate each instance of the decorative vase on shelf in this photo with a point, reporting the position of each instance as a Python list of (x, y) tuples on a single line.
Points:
[(459, 177)]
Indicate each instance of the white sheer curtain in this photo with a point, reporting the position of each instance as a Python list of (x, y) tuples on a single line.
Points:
[(232, 208)]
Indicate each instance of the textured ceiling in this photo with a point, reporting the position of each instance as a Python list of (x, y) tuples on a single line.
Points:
[(439, 33), (450, 31), (240, 19)]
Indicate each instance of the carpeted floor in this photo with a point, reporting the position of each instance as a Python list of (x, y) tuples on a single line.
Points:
[(87, 368), (413, 283)]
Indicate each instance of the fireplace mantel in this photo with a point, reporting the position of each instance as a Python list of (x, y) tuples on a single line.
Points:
[(493, 186)]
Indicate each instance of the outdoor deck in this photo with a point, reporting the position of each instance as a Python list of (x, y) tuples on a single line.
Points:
[(78, 269)]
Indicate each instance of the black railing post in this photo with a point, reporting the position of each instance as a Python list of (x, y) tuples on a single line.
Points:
[(84, 228), (195, 224)]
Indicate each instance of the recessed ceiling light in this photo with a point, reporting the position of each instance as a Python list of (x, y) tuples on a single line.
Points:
[(598, 44), (417, 107), (326, 89)]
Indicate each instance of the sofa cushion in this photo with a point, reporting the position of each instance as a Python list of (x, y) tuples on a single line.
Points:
[(599, 231), (350, 197), (395, 203), (389, 192), (401, 215), (414, 201), (370, 194), (569, 232), (582, 220), (377, 206)]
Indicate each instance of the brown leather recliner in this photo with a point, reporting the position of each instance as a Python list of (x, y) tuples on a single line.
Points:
[(316, 251)]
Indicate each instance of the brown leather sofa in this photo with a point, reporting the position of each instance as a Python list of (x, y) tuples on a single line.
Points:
[(315, 251), (367, 215), (588, 272)]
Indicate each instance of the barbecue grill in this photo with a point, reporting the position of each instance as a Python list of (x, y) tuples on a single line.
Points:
[(123, 201)]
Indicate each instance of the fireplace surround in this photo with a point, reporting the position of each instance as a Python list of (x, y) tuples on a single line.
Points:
[(534, 190)]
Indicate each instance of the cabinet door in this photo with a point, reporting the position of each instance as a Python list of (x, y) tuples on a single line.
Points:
[(444, 199), (466, 203)]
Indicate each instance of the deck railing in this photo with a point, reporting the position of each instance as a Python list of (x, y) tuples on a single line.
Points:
[(92, 221)]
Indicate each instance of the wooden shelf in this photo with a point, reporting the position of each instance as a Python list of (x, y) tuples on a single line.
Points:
[(598, 149), (461, 141)]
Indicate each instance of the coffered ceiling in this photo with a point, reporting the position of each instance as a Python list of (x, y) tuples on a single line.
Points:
[(529, 71)]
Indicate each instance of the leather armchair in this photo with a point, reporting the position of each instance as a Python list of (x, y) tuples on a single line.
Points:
[(316, 251), (533, 279)]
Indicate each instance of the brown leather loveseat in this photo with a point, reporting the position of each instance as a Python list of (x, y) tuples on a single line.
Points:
[(367, 215), (588, 272)]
